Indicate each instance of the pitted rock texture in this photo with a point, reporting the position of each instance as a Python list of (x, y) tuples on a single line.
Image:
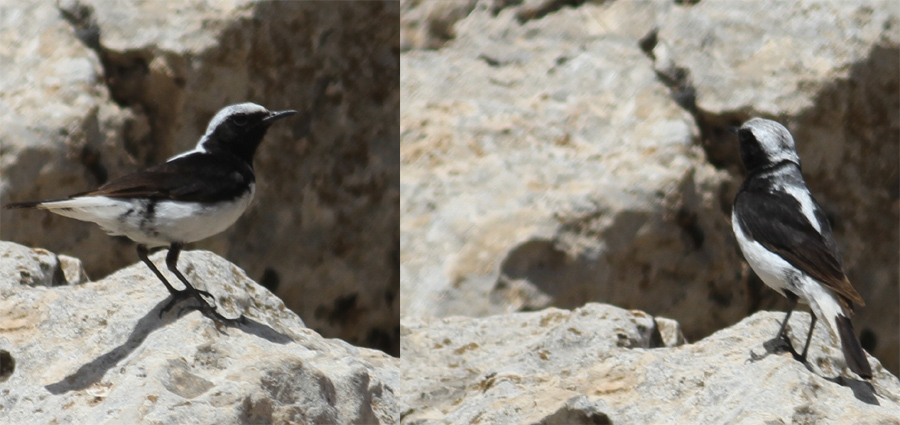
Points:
[(99, 352), (601, 364)]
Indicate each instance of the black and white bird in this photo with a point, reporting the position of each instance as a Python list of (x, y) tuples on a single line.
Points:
[(787, 239), (190, 197)]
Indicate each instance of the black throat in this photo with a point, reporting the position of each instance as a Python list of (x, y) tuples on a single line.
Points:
[(243, 145)]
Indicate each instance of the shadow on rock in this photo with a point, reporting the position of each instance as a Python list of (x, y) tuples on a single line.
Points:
[(93, 372), (862, 390)]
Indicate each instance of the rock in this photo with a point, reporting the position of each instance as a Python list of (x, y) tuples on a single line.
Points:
[(555, 154), (556, 172), (429, 24), (99, 352), (20, 265), (92, 92), (600, 364)]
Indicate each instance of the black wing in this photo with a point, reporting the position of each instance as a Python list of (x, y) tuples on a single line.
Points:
[(775, 220), (195, 177)]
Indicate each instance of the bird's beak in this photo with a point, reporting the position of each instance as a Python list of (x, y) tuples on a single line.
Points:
[(277, 115), (732, 129)]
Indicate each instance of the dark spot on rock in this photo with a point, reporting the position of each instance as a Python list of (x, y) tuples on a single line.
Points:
[(7, 365), (572, 413), (648, 42)]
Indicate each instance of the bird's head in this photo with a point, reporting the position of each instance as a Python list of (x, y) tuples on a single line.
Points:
[(766, 142), (240, 128)]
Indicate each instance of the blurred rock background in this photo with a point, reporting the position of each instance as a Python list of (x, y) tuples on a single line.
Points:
[(96, 89), (556, 152)]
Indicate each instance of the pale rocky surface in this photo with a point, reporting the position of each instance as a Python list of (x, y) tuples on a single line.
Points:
[(106, 88), (98, 352), (601, 364), (554, 155)]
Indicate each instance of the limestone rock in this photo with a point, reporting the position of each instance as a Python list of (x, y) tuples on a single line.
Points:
[(600, 364), (545, 164), (429, 24), (99, 352), (20, 265), (95, 90), (555, 154)]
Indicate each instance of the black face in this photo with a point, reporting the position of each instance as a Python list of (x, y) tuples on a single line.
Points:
[(751, 152), (241, 133)]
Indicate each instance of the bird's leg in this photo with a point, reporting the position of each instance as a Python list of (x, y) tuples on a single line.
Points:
[(792, 299), (189, 291), (812, 325), (176, 294), (142, 254), (781, 342), (172, 263), (205, 308)]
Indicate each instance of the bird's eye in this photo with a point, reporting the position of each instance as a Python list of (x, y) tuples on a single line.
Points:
[(240, 121)]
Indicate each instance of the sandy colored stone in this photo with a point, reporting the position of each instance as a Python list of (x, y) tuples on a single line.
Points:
[(600, 364), (99, 352)]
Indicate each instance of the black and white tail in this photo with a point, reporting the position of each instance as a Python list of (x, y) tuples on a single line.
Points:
[(853, 352)]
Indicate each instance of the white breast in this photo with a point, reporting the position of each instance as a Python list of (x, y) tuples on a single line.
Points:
[(187, 222), (770, 267)]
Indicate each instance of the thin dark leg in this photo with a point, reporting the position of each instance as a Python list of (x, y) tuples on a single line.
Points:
[(205, 308), (142, 254), (176, 294), (812, 326), (781, 342), (172, 263), (792, 299)]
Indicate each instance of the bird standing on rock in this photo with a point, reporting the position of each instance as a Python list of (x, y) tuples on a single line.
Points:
[(190, 197), (787, 240)]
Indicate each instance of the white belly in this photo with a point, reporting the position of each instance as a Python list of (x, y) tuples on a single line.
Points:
[(774, 272), (770, 267), (170, 221)]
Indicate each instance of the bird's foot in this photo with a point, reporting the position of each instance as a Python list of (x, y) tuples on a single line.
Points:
[(779, 344), (179, 296), (215, 316), (208, 310)]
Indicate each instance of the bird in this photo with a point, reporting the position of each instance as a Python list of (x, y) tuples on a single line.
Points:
[(190, 197), (787, 240)]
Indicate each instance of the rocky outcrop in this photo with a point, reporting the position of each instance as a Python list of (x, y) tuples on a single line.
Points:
[(601, 364), (94, 90), (96, 352), (556, 153)]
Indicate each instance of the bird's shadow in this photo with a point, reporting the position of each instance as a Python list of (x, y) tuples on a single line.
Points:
[(93, 371), (862, 390)]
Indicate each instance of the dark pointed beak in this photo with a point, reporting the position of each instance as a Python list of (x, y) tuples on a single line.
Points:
[(277, 115), (732, 129)]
